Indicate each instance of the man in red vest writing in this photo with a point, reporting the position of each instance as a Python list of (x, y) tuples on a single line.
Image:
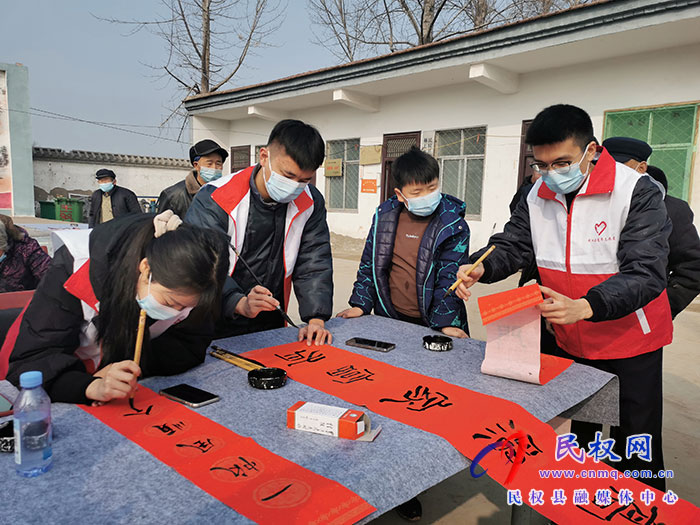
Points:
[(276, 222), (599, 236)]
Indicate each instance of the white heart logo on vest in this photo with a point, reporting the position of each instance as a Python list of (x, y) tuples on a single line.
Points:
[(600, 227)]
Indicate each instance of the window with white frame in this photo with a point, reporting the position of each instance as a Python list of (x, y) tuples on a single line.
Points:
[(342, 189), (460, 153)]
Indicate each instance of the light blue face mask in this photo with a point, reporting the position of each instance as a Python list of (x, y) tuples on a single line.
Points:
[(107, 186), (154, 309), (564, 183), (209, 174), (280, 188), (424, 205), (3, 257)]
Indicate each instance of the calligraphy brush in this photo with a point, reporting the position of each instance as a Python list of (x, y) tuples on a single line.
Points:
[(235, 359), (470, 270), (139, 343), (255, 277)]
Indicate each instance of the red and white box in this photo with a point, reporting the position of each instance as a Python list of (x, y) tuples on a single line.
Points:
[(331, 421)]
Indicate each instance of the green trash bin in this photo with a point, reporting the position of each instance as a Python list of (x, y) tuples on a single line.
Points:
[(69, 210), (48, 210)]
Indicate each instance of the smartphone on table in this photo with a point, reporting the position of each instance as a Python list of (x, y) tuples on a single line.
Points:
[(370, 344), (189, 395)]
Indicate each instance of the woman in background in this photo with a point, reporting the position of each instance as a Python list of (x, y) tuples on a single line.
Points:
[(22, 261)]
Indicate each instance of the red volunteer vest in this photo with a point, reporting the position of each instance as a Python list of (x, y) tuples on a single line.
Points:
[(233, 196), (79, 285), (577, 250)]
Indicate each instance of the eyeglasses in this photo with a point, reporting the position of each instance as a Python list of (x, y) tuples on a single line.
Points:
[(562, 167)]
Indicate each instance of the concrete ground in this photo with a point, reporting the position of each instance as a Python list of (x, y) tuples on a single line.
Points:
[(467, 501)]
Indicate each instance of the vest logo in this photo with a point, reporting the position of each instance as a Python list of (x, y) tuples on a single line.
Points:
[(600, 227)]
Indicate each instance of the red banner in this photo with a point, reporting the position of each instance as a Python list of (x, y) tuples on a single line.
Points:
[(472, 422), (235, 470), (499, 305)]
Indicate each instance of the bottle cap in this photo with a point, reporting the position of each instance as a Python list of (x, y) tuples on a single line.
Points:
[(31, 379)]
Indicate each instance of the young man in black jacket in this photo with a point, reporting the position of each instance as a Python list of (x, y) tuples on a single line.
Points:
[(110, 201), (276, 221), (599, 235), (207, 159)]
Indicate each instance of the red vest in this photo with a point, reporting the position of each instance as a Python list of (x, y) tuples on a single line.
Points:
[(577, 250), (78, 284), (233, 196)]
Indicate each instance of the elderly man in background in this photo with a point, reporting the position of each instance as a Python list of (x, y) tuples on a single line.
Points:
[(207, 159), (110, 201)]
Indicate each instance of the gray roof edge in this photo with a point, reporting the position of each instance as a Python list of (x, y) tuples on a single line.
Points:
[(567, 22), (96, 157)]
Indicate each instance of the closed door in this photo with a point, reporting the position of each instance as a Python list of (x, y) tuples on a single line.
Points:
[(395, 145)]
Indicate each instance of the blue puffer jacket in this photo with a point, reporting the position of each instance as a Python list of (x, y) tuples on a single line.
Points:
[(444, 246)]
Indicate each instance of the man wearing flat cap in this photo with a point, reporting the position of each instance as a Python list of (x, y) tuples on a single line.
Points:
[(110, 201), (630, 152), (207, 159), (683, 269)]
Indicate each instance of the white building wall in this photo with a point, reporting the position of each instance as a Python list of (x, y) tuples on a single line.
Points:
[(62, 177), (659, 78)]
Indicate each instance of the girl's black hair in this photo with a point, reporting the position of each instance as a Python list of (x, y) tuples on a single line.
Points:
[(190, 259)]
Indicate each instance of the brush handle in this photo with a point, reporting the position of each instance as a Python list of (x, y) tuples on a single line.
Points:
[(235, 359), (139, 340), (470, 269), (139, 337)]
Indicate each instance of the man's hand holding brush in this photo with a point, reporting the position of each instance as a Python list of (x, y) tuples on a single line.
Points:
[(259, 299), (468, 280)]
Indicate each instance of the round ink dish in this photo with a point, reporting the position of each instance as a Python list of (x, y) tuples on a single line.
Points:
[(437, 343), (267, 378)]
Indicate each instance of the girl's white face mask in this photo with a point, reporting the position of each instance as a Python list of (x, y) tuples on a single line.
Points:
[(158, 311)]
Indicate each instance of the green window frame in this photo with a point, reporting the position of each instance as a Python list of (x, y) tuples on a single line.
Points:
[(670, 131)]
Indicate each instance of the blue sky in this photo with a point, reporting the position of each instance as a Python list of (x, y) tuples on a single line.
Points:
[(84, 67)]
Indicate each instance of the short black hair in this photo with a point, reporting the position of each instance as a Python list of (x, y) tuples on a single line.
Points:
[(558, 123), (302, 142), (658, 175), (414, 167)]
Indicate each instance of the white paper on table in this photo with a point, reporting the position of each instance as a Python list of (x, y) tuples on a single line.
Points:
[(513, 346)]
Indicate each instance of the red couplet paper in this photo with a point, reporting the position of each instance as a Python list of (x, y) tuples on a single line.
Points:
[(513, 337), (235, 470), (499, 305), (551, 366), (472, 421)]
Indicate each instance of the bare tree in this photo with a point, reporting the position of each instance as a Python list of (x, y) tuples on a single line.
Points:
[(528, 8), (208, 41), (354, 29)]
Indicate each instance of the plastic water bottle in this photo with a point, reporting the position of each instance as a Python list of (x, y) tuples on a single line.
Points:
[(32, 420)]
